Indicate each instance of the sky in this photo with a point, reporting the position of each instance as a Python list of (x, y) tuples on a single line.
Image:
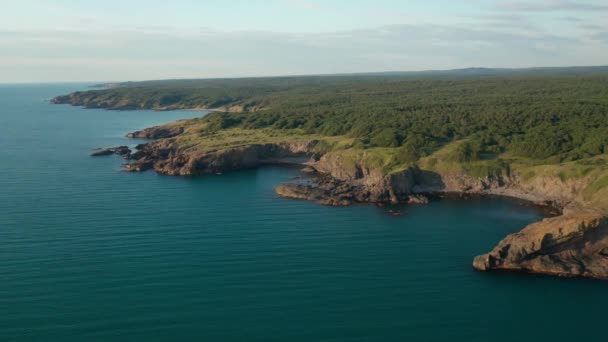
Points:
[(120, 40)]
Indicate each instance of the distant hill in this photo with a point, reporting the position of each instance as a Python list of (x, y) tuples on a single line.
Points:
[(465, 73)]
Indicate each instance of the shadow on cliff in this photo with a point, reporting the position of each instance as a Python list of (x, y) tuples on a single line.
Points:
[(428, 181)]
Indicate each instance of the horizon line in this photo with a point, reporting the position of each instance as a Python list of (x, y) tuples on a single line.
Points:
[(362, 73)]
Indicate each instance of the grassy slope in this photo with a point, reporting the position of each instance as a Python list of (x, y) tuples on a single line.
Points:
[(198, 137)]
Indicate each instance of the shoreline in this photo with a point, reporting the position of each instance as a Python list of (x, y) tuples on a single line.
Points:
[(62, 100), (572, 239), (547, 209)]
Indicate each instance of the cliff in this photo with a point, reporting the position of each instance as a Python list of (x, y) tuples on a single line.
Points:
[(395, 184), (394, 140), (166, 157), (574, 244), (370, 181)]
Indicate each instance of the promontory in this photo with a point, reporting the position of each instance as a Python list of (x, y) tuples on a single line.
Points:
[(540, 135)]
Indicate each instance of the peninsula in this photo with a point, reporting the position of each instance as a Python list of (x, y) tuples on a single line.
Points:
[(536, 134)]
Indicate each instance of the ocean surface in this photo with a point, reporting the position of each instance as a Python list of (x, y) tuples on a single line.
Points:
[(90, 253)]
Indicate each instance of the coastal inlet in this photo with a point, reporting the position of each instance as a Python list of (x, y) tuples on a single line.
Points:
[(574, 244)]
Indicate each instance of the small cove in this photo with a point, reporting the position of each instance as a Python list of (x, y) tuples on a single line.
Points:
[(88, 252)]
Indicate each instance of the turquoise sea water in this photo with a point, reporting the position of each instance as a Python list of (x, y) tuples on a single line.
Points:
[(90, 253)]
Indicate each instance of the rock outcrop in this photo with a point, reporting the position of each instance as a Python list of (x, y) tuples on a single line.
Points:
[(165, 157), (546, 191), (321, 195), (120, 150), (570, 245), (370, 182), (574, 244)]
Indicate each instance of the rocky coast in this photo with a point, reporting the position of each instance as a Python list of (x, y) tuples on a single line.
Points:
[(573, 242)]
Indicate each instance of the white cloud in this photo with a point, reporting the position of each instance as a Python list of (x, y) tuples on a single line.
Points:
[(553, 5), (492, 39)]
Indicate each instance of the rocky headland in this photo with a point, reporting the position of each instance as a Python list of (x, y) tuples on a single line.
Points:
[(573, 243), (377, 139)]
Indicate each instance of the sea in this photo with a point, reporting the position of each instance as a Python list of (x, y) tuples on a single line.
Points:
[(89, 252)]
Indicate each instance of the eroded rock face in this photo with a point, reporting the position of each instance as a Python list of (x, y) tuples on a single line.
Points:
[(167, 158), (368, 180), (327, 190), (574, 244), (120, 150), (312, 193), (547, 190)]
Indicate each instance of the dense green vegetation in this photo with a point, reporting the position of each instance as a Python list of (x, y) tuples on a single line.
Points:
[(550, 117), (562, 118)]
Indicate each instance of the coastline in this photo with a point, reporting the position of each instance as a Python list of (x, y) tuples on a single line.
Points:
[(572, 244), (70, 100)]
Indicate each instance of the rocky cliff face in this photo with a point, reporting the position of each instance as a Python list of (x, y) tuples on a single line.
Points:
[(398, 185), (574, 244), (164, 156), (548, 190), (372, 181)]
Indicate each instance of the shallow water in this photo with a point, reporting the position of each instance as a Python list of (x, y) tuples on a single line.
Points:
[(90, 253)]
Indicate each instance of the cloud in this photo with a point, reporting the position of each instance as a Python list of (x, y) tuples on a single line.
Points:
[(303, 4), (552, 5), (591, 27), (572, 19), (600, 36), (156, 53)]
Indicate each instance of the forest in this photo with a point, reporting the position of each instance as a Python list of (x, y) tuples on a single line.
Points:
[(550, 116)]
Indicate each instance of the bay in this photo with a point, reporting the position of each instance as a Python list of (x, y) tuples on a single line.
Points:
[(91, 253)]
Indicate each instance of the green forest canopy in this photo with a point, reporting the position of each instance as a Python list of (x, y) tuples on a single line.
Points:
[(546, 116)]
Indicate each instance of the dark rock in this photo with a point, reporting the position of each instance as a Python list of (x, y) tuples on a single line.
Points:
[(102, 152), (571, 245), (321, 195), (120, 150), (417, 199), (168, 158)]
